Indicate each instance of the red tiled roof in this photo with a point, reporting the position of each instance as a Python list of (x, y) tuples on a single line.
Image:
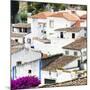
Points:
[(66, 15), (42, 15), (76, 24), (59, 63), (77, 44)]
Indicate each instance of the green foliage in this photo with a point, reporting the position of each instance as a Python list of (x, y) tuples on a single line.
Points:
[(14, 10), (84, 7), (23, 16)]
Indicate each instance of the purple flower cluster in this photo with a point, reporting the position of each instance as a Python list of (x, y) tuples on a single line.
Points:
[(25, 82)]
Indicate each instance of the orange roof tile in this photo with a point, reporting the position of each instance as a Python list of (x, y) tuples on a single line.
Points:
[(66, 15), (78, 44), (42, 15)]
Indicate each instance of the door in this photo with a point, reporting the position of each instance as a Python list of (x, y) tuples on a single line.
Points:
[(49, 81), (61, 35)]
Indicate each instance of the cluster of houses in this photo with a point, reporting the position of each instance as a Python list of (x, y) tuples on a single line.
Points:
[(51, 46)]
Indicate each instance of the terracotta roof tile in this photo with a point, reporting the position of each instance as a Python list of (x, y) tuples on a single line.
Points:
[(72, 29), (66, 15), (42, 15), (77, 44), (59, 63)]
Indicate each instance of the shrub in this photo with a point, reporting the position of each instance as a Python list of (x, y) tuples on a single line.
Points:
[(25, 82)]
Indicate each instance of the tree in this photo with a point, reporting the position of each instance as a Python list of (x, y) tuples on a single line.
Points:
[(14, 10)]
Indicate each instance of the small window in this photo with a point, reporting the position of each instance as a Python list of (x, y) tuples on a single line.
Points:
[(29, 71), (79, 63), (85, 28), (73, 35), (49, 72), (44, 32), (61, 34), (25, 30), (24, 40), (18, 63), (51, 23), (16, 40), (20, 29), (75, 53), (67, 52), (29, 40), (39, 25), (44, 25), (49, 81), (84, 53), (85, 34)]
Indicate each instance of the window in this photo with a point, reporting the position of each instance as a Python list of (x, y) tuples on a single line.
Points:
[(16, 40), (49, 81), (79, 62), (25, 30), (29, 71), (49, 72), (44, 32), (18, 63), (85, 28), (29, 40), (51, 23), (84, 53), (40, 25), (85, 34), (20, 29), (61, 34), (67, 52), (29, 30), (75, 53), (44, 25), (73, 35), (24, 40)]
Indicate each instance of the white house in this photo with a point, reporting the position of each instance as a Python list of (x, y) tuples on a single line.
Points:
[(38, 26), (60, 20), (77, 48), (18, 37), (43, 28), (71, 33), (24, 62), (60, 69), (21, 28), (43, 24)]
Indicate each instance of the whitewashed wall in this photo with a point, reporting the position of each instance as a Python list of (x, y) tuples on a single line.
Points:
[(58, 23), (83, 24), (35, 29), (16, 30), (79, 53), (20, 39), (72, 64), (24, 56), (59, 76), (23, 69)]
